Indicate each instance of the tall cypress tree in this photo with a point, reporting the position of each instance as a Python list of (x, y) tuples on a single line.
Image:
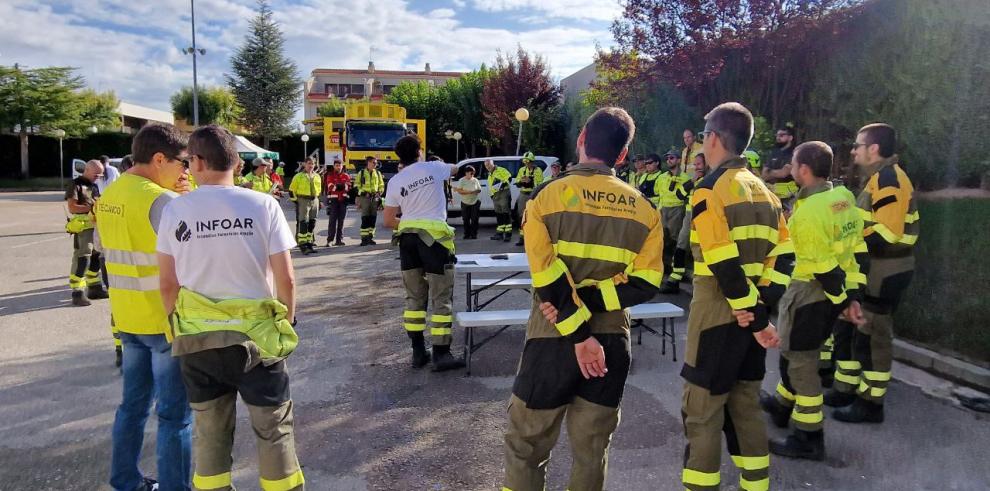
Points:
[(265, 82)]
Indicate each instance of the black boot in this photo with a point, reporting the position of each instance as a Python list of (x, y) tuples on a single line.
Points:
[(670, 287), (421, 355), (779, 413), (497, 236), (827, 376), (522, 241), (79, 299), (443, 360), (861, 411), (365, 240), (96, 292), (834, 398), (507, 237), (801, 445), (119, 359)]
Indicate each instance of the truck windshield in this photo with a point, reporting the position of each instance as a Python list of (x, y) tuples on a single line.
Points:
[(374, 136)]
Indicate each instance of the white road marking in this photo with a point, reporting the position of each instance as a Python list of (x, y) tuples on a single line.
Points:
[(36, 242)]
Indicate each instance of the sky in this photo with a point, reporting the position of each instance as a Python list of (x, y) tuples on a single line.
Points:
[(135, 47)]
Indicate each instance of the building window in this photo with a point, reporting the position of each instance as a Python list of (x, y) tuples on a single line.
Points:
[(357, 89), (387, 89)]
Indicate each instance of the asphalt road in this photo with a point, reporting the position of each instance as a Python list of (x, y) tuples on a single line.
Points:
[(365, 420)]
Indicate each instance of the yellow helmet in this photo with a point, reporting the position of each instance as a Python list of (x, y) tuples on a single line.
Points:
[(753, 158), (528, 156)]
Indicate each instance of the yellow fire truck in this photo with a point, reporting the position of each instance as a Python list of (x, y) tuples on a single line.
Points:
[(368, 128)]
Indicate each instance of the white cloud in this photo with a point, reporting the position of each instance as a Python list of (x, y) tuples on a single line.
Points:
[(599, 10), (134, 48)]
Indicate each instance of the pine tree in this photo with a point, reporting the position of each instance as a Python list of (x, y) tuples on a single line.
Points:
[(265, 82)]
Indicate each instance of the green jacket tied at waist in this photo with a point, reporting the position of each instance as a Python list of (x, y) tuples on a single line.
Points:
[(200, 323)]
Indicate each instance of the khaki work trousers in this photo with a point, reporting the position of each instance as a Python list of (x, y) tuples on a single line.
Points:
[(368, 206), (428, 277), (521, 208), (85, 268), (738, 416)]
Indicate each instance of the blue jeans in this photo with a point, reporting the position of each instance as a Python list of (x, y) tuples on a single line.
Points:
[(151, 373)]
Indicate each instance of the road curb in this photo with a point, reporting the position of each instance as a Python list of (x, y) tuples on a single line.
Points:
[(942, 365)]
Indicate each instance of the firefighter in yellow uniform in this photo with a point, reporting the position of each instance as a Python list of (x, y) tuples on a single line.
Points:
[(498, 185), (680, 260), (305, 191), (743, 262), (891, 222), (370, 185), (529, 177), (593, 245), (648, 180), (672, 196), (829, 272), (80, 198), (259, 180), (692, 147)]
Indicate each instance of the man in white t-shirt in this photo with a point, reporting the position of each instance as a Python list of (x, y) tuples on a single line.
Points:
[(426, 251), (226, 274)]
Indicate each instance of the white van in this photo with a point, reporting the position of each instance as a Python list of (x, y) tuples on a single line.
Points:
[(510, 163)]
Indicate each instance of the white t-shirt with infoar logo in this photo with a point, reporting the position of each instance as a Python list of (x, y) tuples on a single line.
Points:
[(221, 237), (418, 190)]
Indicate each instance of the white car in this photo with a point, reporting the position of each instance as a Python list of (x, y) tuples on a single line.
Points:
[(510, 163)]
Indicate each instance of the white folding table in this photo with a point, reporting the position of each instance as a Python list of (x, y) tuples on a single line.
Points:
[(511, 264)]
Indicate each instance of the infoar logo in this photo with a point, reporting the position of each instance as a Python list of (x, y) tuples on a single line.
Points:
[(404, 192), (569, 197), (182, 232)]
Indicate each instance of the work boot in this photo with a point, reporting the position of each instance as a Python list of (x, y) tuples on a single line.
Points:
[(801, 445), (497, 236), (522, 242), (119, 359), (670, 287), (834, 398), (861, 411), (421, 355), (79, 299), (148, 484), (779, 413), (365, 240), (96, 292), (443, 360), (507, 237)]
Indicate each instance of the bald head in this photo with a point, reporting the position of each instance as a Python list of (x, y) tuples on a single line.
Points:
[(94, 170)]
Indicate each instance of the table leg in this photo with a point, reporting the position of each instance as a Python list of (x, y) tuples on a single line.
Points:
[(673, 339), (469, 348), (663, 337), (467, 293)]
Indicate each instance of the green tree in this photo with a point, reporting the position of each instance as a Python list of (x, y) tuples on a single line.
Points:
[(334, 108), (423, 100), (217, 105), (465, 112), (42, 100), (265, 81), (522, 80)]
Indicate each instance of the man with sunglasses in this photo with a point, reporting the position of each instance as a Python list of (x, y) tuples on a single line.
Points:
[(672, 197), (648, 180), (777, 171), (127, 217)]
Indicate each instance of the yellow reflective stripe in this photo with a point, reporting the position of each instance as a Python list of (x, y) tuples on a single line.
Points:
[(909, 239), (857, 277), (543, 278), (876, 376), (650, 276), (751, 463), (694, 237), (414, 327), (441, 318), (847, 379), (594, 251), (284, 484), (698, 478), (864, 388), (414, 314), (912, 217), (824, 355), (211, 482), (441, 331), (885, 232), (849, 364), (141, 284), (744, 232), (786, 394), (747, 301), (720, 254), (760, 485), (702, 269), (775, 276), (809, 401), (751, 270), (567, 326), (609, 295), (836, 299), (786, 247)]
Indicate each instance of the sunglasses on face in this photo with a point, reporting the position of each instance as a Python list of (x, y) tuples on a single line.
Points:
[(856, 145)]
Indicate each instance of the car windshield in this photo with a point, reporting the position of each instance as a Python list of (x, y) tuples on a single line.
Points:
[(374, 136)]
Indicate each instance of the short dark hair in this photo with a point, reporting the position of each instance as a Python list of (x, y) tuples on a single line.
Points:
[(104, 159), (157, 138), (652, 157), (468, 168), (734, 125), (690, 131), (126, 163), (215, 144), (369, 159), (787, 129), (817, 155), (607, 133), (407, 149), (881, 134)]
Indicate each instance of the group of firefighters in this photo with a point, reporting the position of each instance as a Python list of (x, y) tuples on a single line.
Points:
[(782, 239)]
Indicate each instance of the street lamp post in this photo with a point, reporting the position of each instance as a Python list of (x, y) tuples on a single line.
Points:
[(60, 134), (457, 145), (521, 115), (193, 51), (305, 139)]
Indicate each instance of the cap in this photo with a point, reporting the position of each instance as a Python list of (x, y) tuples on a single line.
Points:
[(258, 162), (671, 153)]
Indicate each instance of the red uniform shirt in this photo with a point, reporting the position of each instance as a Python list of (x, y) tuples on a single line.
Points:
[(338, 184)]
